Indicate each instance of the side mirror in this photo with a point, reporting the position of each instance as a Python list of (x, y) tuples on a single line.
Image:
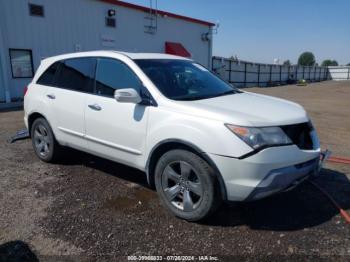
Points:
[(127, 95)]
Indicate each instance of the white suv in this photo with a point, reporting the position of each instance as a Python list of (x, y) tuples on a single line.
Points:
[(199, 140)]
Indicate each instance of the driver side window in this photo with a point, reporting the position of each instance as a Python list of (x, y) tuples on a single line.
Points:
[(112, 74)]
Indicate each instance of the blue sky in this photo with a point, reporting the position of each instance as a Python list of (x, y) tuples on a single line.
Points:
[(261, 30)]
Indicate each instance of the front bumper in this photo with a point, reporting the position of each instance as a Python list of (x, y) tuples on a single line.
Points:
[(267, 172)]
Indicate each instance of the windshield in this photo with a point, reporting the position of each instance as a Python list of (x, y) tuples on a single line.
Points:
[(184, 80)]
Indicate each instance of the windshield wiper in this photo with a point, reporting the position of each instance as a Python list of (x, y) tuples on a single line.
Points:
[(191, 98), (229, 92)]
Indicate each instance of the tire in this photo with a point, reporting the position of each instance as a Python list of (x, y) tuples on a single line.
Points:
[(187, 185), (43, 140)]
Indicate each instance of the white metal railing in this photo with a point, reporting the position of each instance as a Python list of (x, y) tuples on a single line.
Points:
[(339, 72), (247, 74)]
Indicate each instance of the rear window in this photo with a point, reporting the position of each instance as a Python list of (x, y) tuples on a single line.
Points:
[(47, 77), (76, 74)]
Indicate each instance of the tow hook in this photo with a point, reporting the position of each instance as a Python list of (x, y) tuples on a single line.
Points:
[(323, 158)]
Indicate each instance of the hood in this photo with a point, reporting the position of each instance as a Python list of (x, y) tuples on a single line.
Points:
[(248, 109)]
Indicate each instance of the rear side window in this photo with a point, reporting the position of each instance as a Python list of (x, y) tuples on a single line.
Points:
[(47, 77), (112, 74), (76, 74)]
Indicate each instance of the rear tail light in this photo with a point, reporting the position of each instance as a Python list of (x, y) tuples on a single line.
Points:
[(25, 91)]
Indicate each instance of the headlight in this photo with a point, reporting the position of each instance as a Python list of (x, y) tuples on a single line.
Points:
[(258, 137)]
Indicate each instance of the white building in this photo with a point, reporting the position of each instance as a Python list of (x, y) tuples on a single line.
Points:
[(34, 29)]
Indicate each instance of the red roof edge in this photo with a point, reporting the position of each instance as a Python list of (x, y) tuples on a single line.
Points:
[(146, 9)]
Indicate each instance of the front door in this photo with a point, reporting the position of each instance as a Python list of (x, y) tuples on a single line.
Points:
[(115, 130)]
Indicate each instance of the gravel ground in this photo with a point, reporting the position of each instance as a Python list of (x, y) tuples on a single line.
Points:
[(87, 208)]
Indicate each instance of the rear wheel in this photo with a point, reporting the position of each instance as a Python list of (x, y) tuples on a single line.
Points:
[(44, 143), (186, 185)]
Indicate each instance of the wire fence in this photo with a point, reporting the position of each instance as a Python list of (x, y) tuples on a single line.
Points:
[(248, 74)]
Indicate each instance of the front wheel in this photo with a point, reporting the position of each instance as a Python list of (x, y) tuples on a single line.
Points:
[(187, 185)]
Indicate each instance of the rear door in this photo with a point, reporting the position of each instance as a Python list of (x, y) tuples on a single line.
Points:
[(115, 130), (73, 80)]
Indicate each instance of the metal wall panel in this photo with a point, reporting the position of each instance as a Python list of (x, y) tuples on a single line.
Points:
[(79, 25), (2, 83)]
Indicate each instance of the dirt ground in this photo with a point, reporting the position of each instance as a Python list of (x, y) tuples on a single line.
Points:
[(87, 209)]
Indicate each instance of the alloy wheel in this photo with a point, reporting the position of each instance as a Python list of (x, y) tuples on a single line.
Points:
[(42, 140), (181, 186)]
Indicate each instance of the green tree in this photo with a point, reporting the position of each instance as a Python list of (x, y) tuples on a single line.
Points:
[(233, 58), (287, 63), (306, 59), (329, 62)]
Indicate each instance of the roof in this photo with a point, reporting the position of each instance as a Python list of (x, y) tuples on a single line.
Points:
[(111, 52), (164, 13), (151, 56)]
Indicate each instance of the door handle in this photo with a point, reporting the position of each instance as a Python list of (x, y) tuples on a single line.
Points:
[(51, 96), (95, 107)]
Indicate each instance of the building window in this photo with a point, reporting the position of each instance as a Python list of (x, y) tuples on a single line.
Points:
[(110, 22), (36, 10), (21, 63)]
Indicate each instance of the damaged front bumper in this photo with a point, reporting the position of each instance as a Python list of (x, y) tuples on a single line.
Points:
[(270, 171)]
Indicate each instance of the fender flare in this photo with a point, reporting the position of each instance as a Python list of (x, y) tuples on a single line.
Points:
[(35, 112), (196, 150)]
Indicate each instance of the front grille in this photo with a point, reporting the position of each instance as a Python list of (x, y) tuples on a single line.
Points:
[(300, 134)]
